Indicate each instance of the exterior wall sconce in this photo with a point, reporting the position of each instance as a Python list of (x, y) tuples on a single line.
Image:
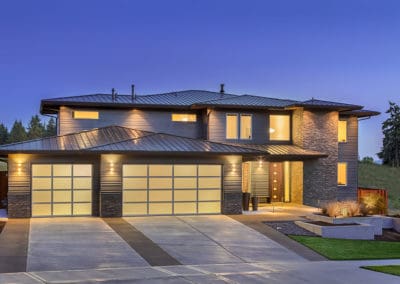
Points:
[(111, 166), (260, 162), (19, 168)]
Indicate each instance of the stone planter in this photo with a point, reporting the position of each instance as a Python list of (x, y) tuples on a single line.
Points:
[(396, 224), (350, 232), (387, 222), (374, 221)]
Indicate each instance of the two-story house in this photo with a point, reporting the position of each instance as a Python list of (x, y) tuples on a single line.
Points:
[(186, 152)]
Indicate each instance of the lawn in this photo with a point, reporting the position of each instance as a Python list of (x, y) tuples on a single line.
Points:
[(379, 176), (389, 269), (337, 249)]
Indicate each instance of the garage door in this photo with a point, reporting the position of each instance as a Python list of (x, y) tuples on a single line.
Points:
[(61, 190), (171, 189)]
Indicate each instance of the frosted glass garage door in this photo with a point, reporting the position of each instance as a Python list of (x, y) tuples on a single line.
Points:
[(171, 189), (61, 190)]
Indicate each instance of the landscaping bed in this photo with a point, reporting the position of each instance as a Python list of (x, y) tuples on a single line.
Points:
[(2, 224)]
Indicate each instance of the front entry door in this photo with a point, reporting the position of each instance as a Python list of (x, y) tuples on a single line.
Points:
[(276, 184)]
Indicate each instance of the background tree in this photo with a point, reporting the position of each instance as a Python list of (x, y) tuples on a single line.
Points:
[(390, 153), (367, 160), (35, 128), (17, 133), (51, 128), (3, 134)]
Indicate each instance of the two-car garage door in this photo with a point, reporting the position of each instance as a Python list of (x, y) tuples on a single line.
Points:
[(171, 189)]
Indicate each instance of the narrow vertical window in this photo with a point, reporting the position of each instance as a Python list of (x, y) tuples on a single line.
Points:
[(342, 174), (342, 131), (245, 126), (231, 126)]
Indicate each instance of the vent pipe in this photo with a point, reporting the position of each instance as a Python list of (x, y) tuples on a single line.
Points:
[(222, 91), (113, 95), (133, 92)]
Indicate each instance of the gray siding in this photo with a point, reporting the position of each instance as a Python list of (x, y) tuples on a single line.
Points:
[(217, 127), (348, 152), (149, 120)]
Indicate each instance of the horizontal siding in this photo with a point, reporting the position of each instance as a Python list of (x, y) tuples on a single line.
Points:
[(148, 120), (259, 179)]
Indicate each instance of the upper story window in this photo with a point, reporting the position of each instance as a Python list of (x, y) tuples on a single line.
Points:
[(184, 117), (245, 126), (79, 114), (236, 128), (342, 131), (279, 127), (231, 126), (342, 174)]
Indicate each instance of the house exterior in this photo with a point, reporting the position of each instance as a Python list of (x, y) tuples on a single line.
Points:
[(186, 152)]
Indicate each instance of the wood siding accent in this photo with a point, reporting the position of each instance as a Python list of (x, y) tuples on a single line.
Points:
[(296, 182), (348, 153), (148, 120), (276, 182), (259, 179)]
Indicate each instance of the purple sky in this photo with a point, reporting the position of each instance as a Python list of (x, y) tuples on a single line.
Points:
[(347, 51)]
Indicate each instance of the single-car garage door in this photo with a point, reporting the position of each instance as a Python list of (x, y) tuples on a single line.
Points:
[(171, 189), (61, 190)]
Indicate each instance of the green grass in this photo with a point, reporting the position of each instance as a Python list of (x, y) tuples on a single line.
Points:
[(379, 176), (389, 269), (338, 249)]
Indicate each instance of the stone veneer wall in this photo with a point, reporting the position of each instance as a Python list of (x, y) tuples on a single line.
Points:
[(320, 130), (232, 185)]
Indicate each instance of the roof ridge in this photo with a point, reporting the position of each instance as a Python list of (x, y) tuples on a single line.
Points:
[(125, 140)]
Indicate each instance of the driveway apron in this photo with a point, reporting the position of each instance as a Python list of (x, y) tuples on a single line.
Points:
[(211, 240), (77, 243)]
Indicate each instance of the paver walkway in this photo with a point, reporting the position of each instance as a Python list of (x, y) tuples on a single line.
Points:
[(77, 243)]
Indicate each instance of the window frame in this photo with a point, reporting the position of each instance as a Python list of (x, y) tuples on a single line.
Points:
[(183, 121), (237, 126), (240, 126), (290, 140), (346, 174), (346, 136)]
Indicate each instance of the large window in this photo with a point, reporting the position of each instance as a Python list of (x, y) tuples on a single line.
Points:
[(279, 127), (231, 126), (184, 117), (342, 131), (245, 126), (78, 114), (342, 174)]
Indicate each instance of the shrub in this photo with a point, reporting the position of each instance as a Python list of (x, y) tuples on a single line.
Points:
[(347, 208), (374, 204)]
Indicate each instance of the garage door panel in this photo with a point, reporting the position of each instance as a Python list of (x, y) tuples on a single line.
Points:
[(41, 170), (62, 196), (185, 195), (160, 170), (41, 196), (41, 209), (160, 183), (185, 183), (209, 195), (82, 209), (160, 208), (41, 183), (63, 209), (82, 170), (209, 170), (185, 170), (134, 209), (160, 195), (134, 170), (207, 182), (62, 170), (82, 196), (135, 196), (209, 207), (134, 183), (185, 208), (82, 183), (62, 183)]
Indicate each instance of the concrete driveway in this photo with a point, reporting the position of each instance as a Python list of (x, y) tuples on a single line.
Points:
[(211, 240)]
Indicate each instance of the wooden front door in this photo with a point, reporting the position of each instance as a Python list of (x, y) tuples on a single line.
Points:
[(276, 182)]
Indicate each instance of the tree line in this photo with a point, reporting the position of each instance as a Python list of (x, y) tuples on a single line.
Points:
[(34, 130), (390, 152)]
